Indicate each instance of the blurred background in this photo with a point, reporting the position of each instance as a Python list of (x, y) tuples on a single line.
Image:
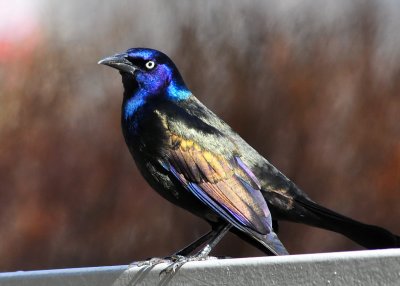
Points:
[(314, 86)]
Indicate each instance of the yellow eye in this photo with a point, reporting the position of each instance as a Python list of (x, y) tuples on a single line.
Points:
[(150, 65)]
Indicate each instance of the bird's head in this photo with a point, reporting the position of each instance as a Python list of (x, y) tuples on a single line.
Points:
[(149, 71)]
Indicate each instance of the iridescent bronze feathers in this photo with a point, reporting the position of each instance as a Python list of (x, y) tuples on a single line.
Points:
[(225, 185)]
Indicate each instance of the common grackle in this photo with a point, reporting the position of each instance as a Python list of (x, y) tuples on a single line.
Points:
[(196, 161)]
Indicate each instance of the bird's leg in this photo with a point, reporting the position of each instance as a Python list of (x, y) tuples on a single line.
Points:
[(217, 235), (189, 248), (181, 253)]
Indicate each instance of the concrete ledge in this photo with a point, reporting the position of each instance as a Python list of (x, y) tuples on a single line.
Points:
[(377, 267)]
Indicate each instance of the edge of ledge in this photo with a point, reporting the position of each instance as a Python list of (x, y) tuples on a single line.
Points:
[(366, 267)]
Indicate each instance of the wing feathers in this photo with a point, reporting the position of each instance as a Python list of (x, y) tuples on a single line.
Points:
[(226, 185)]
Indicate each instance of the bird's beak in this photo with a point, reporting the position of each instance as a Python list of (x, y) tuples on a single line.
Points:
[(119, 62)]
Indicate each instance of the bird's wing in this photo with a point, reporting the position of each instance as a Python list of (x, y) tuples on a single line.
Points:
[(226, 185)]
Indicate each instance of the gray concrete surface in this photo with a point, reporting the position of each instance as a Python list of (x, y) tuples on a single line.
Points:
[(378, 267)]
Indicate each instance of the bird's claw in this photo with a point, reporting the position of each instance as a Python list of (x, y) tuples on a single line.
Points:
[(177, 257), (152, 261), (172, 268), (179, 260)]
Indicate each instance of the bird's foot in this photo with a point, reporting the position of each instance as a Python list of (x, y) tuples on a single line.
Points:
[(150, 262), (179, 260)]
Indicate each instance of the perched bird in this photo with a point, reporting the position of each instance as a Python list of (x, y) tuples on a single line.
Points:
[(196, 161)]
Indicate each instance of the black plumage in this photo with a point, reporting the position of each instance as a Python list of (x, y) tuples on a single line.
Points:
[(196, 161)]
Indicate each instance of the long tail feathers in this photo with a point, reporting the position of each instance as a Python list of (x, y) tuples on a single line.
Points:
[(368, 236)]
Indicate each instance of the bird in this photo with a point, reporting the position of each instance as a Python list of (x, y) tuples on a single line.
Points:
[(196, 161)]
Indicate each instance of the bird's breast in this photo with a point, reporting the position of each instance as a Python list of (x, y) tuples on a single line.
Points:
[(144, 131)]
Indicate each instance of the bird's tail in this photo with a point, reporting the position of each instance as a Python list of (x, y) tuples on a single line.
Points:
[(368, 236)]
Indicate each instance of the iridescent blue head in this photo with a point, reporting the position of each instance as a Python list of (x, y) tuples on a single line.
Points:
[(146, 73)]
